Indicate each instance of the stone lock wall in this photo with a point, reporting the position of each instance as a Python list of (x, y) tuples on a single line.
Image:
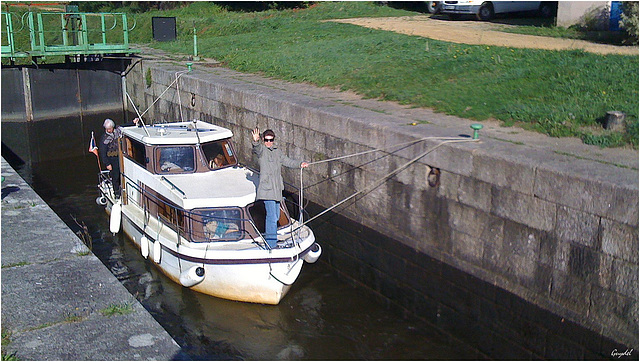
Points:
[(558, 231)]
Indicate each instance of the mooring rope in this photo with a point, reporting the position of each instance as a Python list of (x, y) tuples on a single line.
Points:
[(379, 181), (144, 126), (384, 149)]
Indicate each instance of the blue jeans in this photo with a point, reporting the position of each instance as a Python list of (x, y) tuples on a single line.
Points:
[(271, 223)]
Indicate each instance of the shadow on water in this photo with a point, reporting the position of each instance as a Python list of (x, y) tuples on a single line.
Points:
[(321, 318)]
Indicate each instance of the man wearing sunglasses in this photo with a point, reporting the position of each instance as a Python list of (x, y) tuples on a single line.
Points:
[(270, 187)]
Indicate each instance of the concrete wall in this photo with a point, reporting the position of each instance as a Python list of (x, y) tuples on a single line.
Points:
[(594, 14), (558, 231)]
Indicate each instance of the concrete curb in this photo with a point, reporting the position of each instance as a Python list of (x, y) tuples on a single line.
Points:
[(55, 292)]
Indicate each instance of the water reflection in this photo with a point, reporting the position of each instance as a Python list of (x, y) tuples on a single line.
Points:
[(321, 318)]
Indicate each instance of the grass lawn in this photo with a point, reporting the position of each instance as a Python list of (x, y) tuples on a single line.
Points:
[(559, 93)]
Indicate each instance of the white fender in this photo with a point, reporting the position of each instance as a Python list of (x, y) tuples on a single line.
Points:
[(116, 217), (144, 246), (289, 277), (101, 200), (192, 276), (313, 254), (157, 252)]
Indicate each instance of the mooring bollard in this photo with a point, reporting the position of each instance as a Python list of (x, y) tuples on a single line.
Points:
[(476, 127), (189, 65)]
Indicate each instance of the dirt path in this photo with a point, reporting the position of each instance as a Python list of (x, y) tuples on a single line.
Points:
[(481, 33)]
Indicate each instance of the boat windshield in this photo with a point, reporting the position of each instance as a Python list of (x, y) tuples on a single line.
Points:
[(224, 224), (175, 159), (219, 154)]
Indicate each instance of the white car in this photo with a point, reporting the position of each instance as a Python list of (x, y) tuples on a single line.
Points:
[(486, 10)]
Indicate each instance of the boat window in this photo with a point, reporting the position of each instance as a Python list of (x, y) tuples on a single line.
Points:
[(175, 159), (169, 212), (135, 151), (219, 154), (218, 225)]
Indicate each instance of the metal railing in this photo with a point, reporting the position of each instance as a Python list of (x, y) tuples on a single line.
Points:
[(68, 33), (186, 222)]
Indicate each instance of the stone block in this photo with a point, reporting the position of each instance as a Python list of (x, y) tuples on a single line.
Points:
[(618, 313), (492, 258), (561, 258), (618, 201), (605, 271), (303, 114), (449, 185), (577, 226), (500, 166), (467, 247), (520, 240), (522, 208), (570, 292), (626, 278), (420, 230), (548, 247), (474, 222), (583, 263), (620, 240), (456, 158), (231, 96), (475, 193)]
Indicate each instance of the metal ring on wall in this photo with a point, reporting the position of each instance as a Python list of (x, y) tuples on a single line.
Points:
[(433, 178)]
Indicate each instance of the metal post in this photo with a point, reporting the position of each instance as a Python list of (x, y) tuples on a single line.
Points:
[(125, 28), (40, 31), (104, 30), (83, 29), (195, 44)]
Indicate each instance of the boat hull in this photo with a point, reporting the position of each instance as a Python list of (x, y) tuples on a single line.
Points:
[(265, 276)]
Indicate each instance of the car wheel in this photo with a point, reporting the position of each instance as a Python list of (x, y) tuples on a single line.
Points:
[(434, 7), (485, 13)]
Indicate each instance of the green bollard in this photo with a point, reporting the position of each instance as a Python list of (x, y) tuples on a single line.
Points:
[(476, 127), (189, 65)]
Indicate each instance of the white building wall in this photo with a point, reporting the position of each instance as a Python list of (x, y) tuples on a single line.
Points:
[(590, 13)]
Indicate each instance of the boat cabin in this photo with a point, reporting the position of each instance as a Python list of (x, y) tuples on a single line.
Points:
[(217, 200)]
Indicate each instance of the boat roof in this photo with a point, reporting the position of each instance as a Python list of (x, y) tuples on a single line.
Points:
[(230, 186), (177, 133)]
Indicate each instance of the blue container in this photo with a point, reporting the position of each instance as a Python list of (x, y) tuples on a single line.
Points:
[(614, 18)]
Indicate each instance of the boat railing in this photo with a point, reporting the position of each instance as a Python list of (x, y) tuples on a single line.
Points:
[(200, 226)]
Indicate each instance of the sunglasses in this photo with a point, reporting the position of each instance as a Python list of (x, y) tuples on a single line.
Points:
[(269, 139)]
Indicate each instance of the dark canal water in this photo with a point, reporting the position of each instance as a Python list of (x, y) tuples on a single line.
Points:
[(321, 318), (326, 315)]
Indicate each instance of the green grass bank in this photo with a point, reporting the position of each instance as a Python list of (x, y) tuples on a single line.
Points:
[(558, 93)]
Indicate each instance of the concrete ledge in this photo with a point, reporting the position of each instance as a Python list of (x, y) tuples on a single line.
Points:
[(55, 292)]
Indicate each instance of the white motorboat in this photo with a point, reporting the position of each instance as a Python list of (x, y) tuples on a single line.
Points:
[(190, 208)]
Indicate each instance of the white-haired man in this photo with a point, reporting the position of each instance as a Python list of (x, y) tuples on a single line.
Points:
[(108, 149)]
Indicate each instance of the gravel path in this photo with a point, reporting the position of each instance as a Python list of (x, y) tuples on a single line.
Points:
[(481, 33)]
